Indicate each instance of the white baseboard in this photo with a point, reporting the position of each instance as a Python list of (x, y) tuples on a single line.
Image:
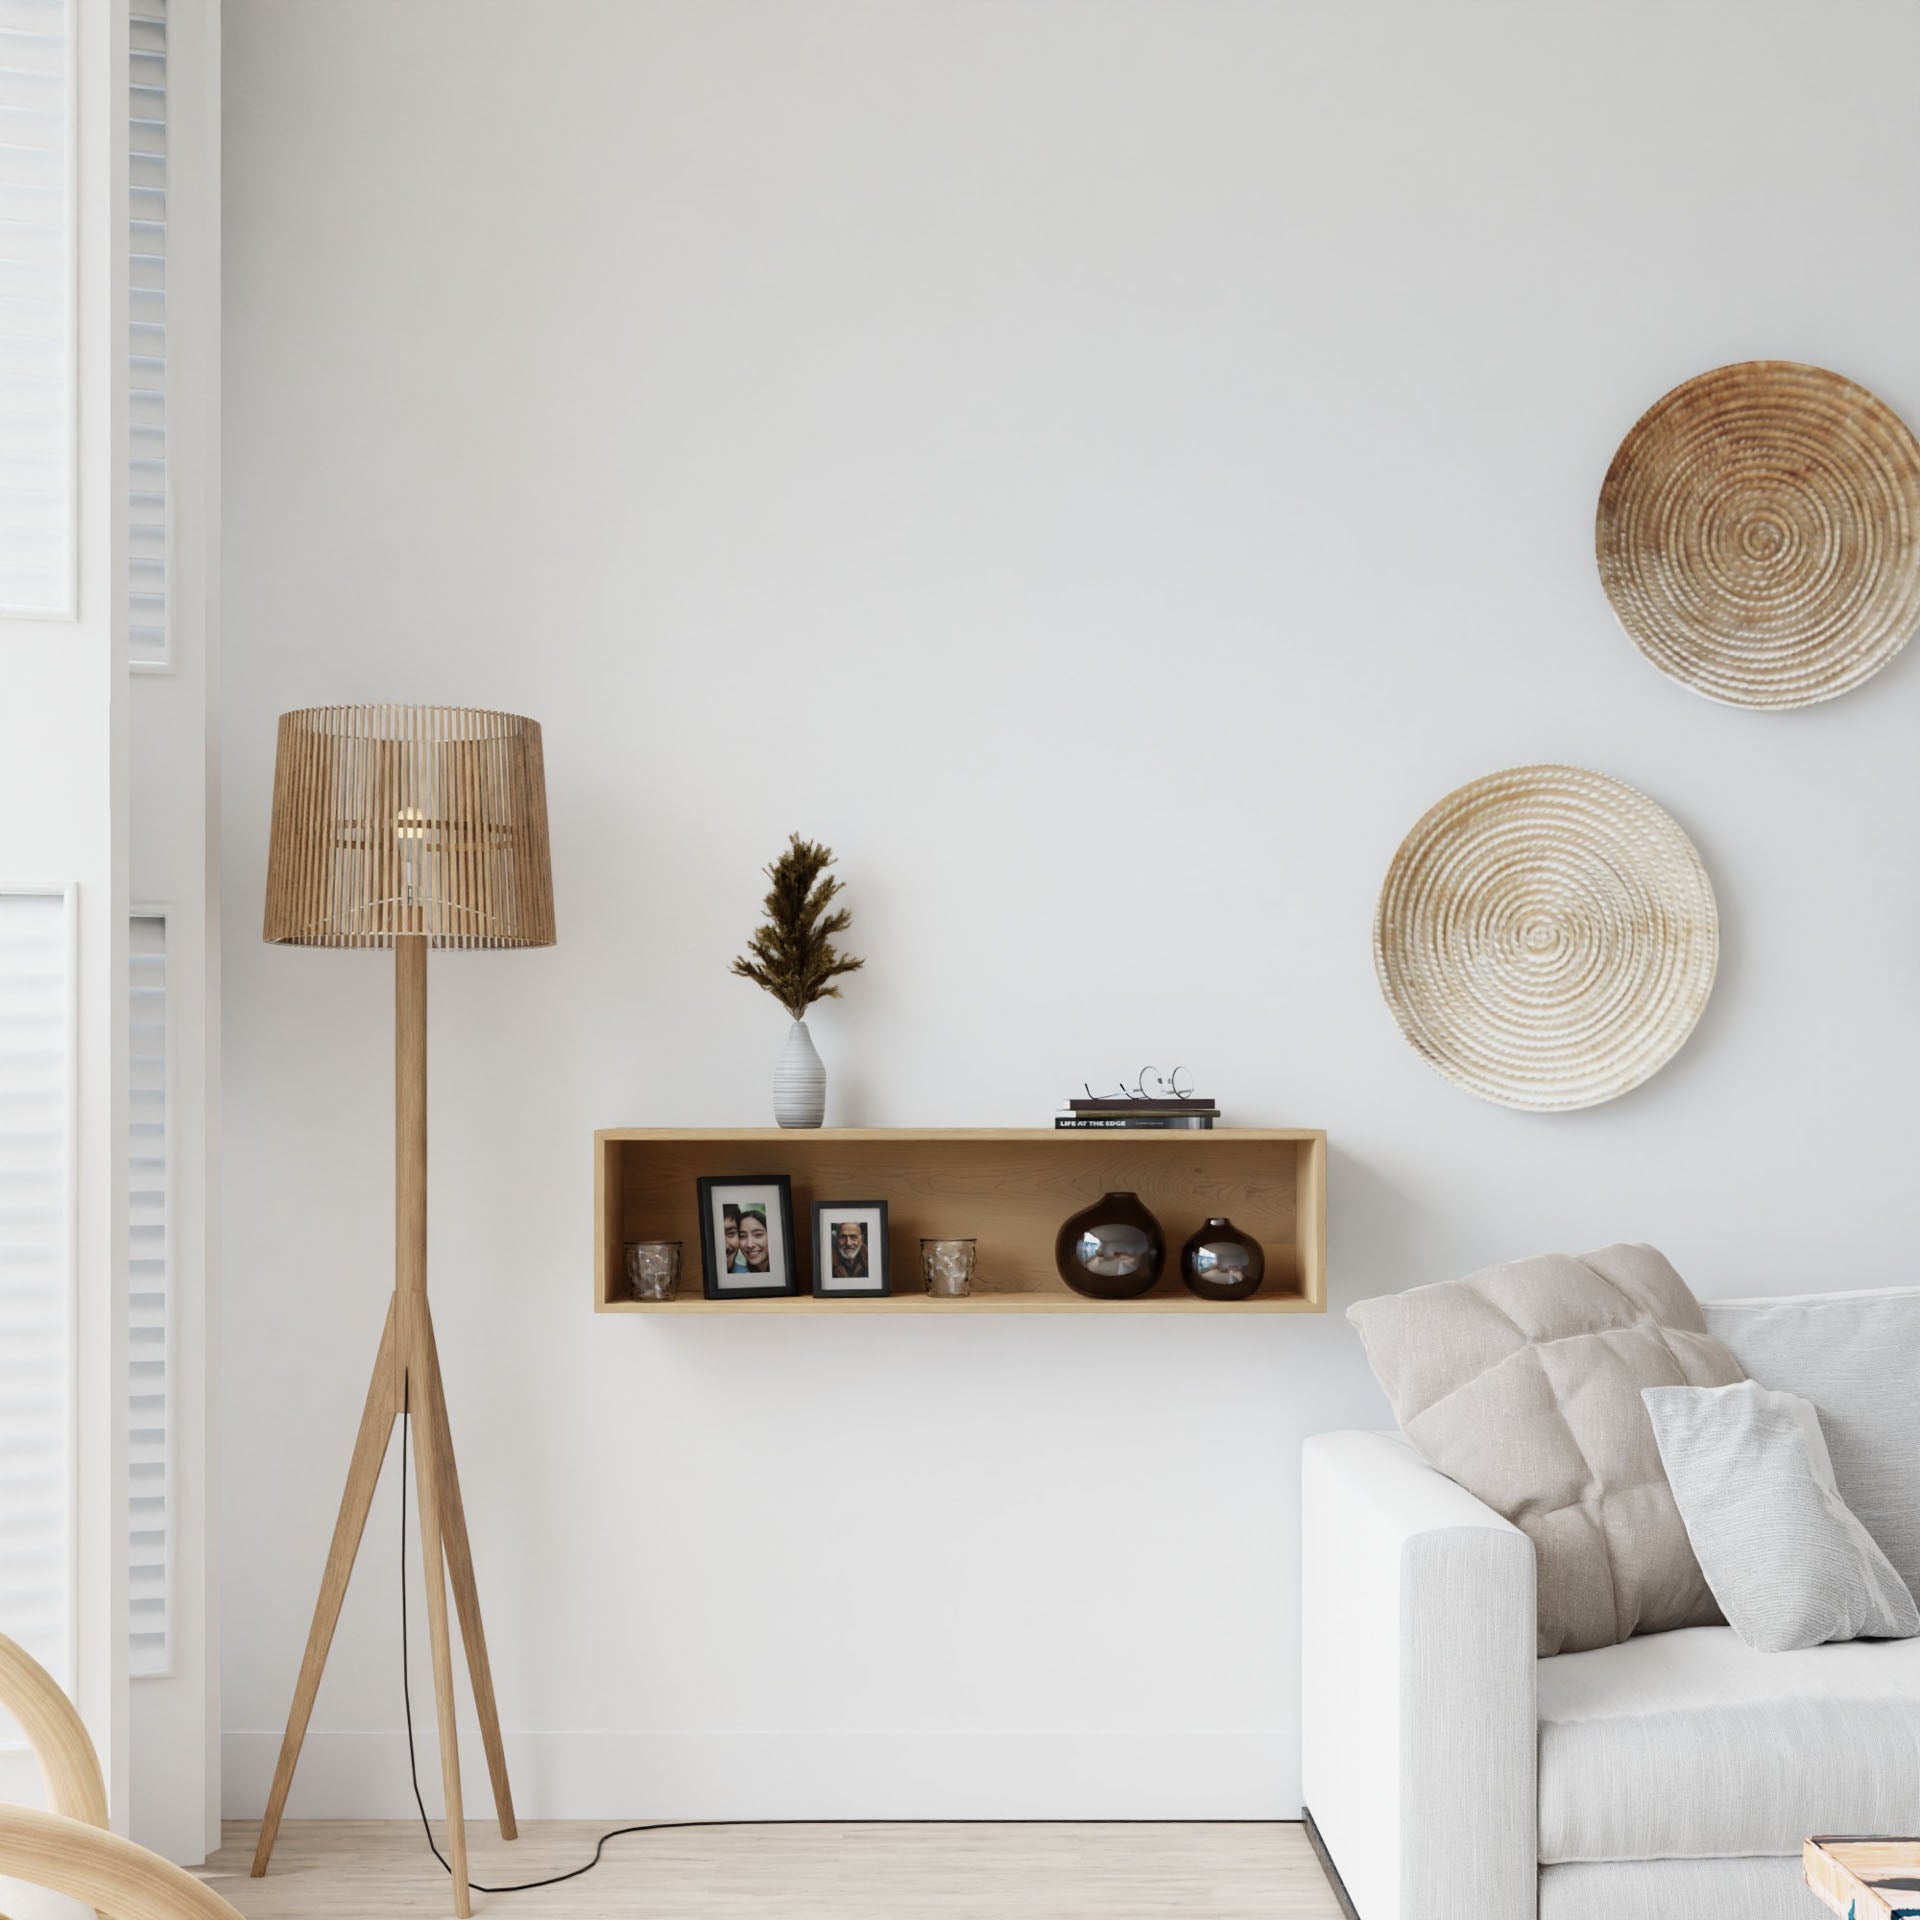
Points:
[(1235, 1774)]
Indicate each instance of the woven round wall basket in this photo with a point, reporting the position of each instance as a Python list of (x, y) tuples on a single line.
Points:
[(1546, 938), (1759, 534)]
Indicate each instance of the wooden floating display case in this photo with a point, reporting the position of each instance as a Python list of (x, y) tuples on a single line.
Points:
[(1009, 1189)]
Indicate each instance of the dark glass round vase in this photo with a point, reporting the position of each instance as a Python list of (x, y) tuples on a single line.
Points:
[(1112, 1250), (1222, 1263)]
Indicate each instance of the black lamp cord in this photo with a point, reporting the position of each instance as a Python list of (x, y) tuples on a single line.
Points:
[(413, 1762)]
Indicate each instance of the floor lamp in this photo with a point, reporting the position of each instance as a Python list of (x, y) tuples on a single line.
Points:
[(409, 828)]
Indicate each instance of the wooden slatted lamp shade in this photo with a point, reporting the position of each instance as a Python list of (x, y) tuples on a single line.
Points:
[(409, 820), (409, 828)]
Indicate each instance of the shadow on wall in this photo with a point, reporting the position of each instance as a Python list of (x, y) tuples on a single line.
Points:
[(1375, 1233)]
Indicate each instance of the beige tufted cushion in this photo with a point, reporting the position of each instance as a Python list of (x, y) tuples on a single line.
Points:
[(1522, 1383)]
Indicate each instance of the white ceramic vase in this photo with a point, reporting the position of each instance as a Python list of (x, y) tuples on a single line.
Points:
[(799, 1081)]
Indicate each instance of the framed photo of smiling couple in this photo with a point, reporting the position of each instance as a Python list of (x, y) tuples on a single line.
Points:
[(746, 1237)]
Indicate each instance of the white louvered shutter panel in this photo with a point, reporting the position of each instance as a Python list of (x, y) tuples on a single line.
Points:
[(149, 1304), (149, 634), (36, 1278), (36, 310)]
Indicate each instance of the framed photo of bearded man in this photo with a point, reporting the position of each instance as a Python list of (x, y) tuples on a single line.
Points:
[(849, 1248)]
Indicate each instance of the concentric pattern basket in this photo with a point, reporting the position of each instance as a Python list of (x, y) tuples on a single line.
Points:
[(1546, 937), (1759, 534)]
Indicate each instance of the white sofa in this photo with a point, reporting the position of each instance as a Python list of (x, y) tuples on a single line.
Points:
[(1450, 1774)]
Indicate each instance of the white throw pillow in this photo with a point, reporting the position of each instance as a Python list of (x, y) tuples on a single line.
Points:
[(1787, 1560), (1856, 1356)]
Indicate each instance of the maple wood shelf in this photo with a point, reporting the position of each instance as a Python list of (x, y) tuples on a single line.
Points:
[(1007, 1188)]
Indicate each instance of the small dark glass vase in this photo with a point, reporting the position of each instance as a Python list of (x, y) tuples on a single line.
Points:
[(1222, 1263), (1112, 1250)]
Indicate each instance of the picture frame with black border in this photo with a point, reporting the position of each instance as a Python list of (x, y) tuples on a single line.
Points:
[(839, 1272), (762, 1227)]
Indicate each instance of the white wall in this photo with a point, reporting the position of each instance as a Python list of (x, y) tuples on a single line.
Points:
[(1059, 454)]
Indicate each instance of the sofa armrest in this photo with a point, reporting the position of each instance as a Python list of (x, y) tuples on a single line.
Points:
[(1417, 1686)]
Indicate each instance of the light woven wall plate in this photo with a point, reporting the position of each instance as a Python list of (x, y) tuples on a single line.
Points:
[(1759, 534), (1546, 937)]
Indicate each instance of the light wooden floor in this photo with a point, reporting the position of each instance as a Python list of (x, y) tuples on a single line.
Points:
[(886, 1871)]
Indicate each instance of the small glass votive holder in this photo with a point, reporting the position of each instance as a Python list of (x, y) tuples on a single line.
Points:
[(948, 1265), (653, 1269)]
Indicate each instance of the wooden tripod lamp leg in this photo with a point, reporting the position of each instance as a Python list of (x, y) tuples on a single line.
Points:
[(407, 1371), (428, 1470), (466, 1599), (369, 1450)]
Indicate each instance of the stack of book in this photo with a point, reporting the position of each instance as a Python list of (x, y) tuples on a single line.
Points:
[(1193, 1113)]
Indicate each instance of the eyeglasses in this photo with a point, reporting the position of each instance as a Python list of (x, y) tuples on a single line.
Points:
[(1151, 1085)]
